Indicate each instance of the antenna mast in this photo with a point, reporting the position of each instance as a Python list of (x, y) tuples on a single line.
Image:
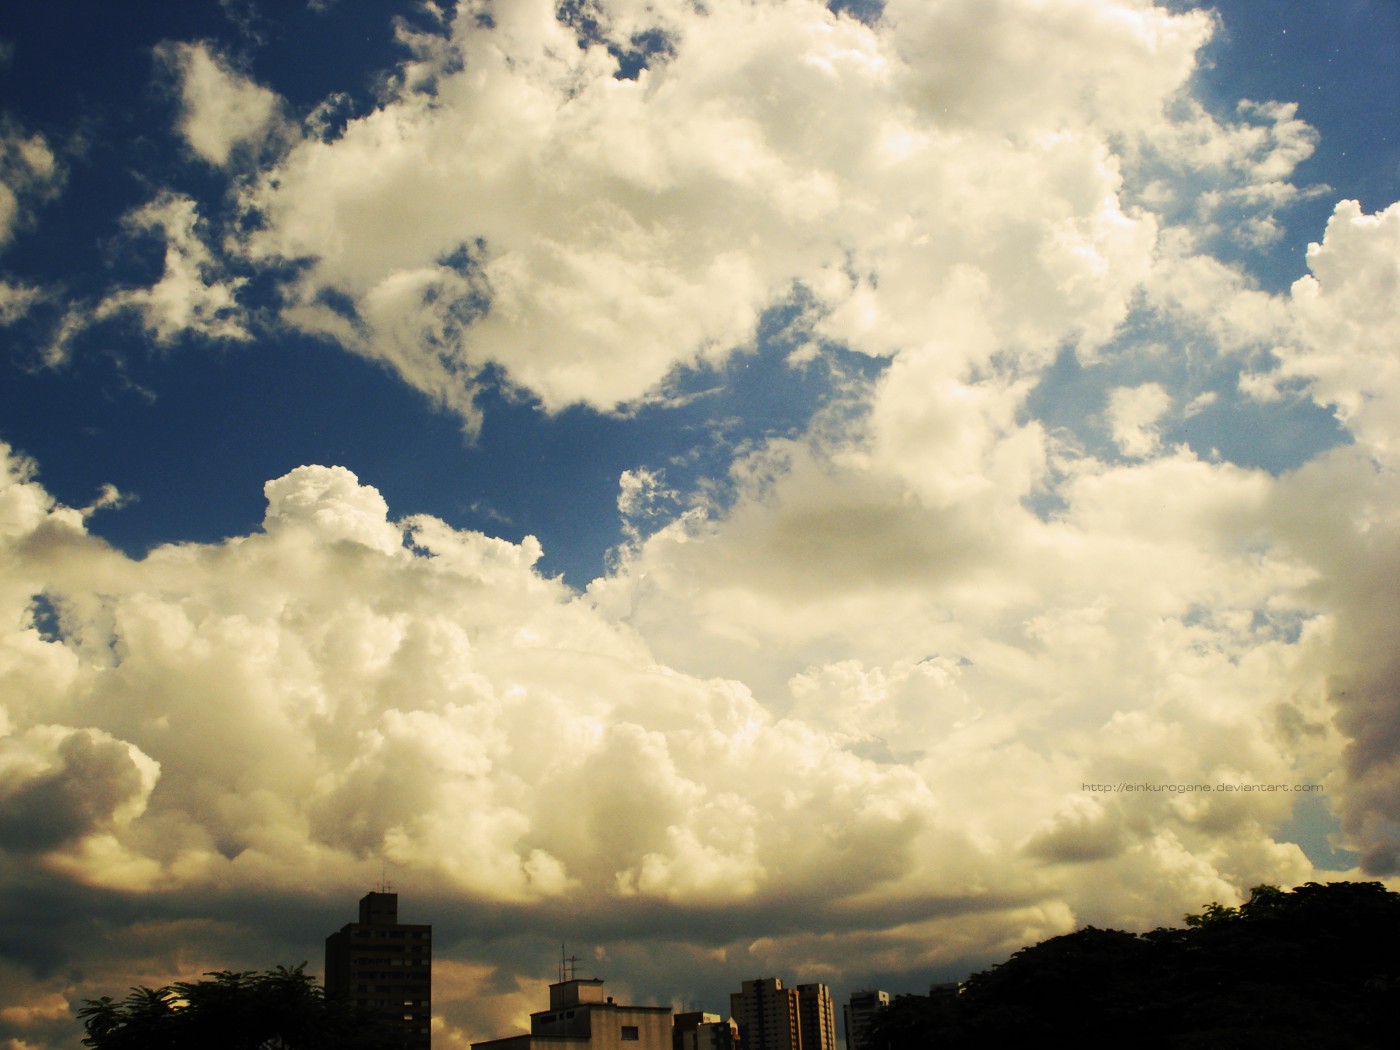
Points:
[(567, 965)]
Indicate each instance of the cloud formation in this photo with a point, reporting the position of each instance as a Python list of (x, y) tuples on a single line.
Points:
[(222, 112), (298, 706), (589, 198), (865, 690), (30, 174), (521, 199), (193, 295)]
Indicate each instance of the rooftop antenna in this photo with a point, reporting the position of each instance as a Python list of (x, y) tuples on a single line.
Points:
[(385, 886), (567, 965)]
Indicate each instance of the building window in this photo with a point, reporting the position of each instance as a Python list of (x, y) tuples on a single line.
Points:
[(629, 1033)]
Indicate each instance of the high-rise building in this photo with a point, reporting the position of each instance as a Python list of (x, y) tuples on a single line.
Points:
[(859, 1009), (816, 1017), (581, 1017), (386, 967), (767, 1014)]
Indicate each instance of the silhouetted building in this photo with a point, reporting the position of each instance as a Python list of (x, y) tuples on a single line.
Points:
[(944, 990), (859, 1009), (386, 967), (581, 1017), (702, 1031), (767, 1014), (816, 1017)]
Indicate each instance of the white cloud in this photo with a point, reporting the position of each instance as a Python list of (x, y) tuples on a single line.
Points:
[(193, 294), (514, 202), (1133, 415), (330, 504), (1331, 338), (335, 683), (222, 112), (16, 300), (1348, 312), (30, 175), (1224, 181), (1206, 296), (644, 500), (1014, 64), (296, 706)]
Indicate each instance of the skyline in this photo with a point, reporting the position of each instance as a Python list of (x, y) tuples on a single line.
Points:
[(723, 485)]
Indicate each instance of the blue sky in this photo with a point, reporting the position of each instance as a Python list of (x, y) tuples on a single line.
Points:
[(819, 441)]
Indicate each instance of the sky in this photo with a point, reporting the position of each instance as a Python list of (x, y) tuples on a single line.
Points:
[(721, 487)]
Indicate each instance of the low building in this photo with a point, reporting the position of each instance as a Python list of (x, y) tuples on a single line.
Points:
[(582, 1017), (702, 1031)]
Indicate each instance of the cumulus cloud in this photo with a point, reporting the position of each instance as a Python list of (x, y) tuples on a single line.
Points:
[(1349, 325), (59, 784), (520, 200), (1340, 510), (223, 113), (456, 660), (330, 503), (298, 706), (1332, 339), (527, 198)]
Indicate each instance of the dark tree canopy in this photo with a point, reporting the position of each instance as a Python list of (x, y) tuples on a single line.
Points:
[(281, 1009), (1312, 968)]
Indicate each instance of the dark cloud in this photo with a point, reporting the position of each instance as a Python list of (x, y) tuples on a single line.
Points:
[(86, 779)]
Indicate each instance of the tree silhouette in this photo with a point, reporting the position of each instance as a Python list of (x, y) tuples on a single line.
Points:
[(281, 1009), (1310, 968)]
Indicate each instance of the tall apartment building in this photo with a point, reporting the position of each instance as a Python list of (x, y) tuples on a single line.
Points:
[(581, 1017), (385, 966), (816, 1017), (767, 1014), (859, 1009)]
